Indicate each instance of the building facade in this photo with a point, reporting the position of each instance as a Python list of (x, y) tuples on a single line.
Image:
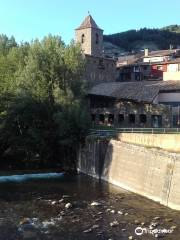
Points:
[(136, 104)]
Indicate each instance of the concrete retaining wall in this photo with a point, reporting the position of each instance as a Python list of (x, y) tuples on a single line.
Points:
[(168, 142), (149, 172)]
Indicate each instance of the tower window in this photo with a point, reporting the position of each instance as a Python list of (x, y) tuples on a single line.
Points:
[(97, 38), (83, 38)]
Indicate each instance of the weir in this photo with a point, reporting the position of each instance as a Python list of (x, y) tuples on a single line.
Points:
[(145, 170)]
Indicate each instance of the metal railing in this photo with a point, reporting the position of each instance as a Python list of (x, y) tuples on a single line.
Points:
[(108, 132)]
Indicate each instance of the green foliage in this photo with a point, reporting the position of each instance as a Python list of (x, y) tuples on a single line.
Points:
[(135, 39), (42, 109)]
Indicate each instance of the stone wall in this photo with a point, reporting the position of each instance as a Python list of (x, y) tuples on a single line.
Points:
[(99, 70), (149, 172), (126, 108)]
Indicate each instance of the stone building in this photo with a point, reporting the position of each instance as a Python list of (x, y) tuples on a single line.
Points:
[(134, 104), (98, 68)]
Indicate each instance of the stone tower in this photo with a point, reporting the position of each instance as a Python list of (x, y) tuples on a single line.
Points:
[(90, 36)]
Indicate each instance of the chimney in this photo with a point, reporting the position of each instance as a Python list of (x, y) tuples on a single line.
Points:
[(146, 52)]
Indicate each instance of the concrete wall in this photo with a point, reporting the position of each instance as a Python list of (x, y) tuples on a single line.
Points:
[(169, 97), (171, 76), (168, 142), (149, 172)]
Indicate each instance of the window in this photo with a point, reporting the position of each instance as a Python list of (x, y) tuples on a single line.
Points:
[(101, 118), (93, 117), (145, 68), (142, 118), (120, 118), (131, 118), (82, 38), (160, 67), (110, 119), (156, 121), (97, 38)]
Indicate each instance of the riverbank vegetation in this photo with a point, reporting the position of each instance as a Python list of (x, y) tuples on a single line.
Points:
[(43, 115)]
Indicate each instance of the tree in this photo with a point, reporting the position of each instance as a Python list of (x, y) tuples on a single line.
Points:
[(44, 115)]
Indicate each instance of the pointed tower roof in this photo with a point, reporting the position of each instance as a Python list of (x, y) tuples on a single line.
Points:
[(88, 23)]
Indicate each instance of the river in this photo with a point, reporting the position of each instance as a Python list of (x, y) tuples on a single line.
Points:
[(78, 208)]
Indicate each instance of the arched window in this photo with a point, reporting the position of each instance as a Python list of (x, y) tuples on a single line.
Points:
[(82, 38), (97, 38)]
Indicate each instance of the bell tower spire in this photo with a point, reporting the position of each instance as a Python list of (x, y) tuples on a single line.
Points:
[(90, 36)]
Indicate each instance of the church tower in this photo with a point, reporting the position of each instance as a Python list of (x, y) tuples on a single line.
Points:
[(90, 36)]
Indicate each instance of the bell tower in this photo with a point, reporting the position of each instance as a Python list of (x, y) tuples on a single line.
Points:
[(90, 36)]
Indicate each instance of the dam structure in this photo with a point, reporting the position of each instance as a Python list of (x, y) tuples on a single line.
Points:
[(146, 164)]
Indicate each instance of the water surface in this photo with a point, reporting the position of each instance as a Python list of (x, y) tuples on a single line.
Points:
[(38, 208)]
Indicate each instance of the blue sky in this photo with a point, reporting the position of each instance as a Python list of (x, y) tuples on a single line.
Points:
[(30, 19)]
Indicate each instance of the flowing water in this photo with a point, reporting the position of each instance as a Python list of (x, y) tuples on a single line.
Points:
[(79, 207)]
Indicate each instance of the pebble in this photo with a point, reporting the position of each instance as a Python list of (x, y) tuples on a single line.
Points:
[(168, 219), (123, 230), (137, 222), (130, 237), (108, 210), (25, 221), (99, 213), (114, 224), (88, 230), (173, 227), (95, 204), (112, 211), (68, 205), (53, 202), (156, 218), (120, 212), (95, 226), (61, 200), (126, 214)]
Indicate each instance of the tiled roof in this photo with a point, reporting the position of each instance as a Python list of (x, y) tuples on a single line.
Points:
[(88, 23), (161, 53), (144, 91)]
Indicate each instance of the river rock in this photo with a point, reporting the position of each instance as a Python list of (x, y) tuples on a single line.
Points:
[(168, 219), (114, 224), (53, 202), (173, 227), (156, 218), (96, 204), (95, 226), (68, 205), (120, 212), (88, 230), (108, 210), (25, 221), (123, 230), (137, 222)]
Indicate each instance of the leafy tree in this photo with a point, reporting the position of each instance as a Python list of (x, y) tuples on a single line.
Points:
[(42, 111)]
